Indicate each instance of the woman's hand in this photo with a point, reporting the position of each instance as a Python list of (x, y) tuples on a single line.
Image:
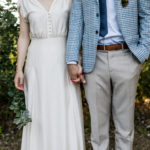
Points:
[(19, 79), (75, 72)]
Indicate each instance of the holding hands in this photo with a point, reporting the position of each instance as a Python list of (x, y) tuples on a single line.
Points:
[(75, 72)]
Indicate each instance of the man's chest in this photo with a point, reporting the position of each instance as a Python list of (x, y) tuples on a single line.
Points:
[(111, 4)]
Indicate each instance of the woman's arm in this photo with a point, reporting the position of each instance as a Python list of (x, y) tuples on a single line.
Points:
[(23, 43)]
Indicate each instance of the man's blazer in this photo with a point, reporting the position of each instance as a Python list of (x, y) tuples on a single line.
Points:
[(134, 21)]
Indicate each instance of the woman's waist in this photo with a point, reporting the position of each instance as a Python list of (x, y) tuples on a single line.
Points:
[(48, 35), (50, 39), (55, 43)]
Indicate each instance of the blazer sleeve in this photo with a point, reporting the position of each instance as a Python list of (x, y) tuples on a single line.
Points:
[(144, 26), (75, 32), (22, 9)]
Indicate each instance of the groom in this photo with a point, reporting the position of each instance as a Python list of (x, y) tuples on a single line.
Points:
[(115, 35)]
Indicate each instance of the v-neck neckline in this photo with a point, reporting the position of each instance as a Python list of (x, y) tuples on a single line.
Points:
[(50, 8)]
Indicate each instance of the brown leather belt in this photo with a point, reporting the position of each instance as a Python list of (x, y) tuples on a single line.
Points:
[(112, 47)]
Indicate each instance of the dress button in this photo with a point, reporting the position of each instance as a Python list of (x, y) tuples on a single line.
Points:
[(97, 15)]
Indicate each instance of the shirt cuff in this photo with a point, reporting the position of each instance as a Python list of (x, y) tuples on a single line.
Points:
[(72, 63)]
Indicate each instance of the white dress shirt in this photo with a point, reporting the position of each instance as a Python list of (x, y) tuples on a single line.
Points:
[(114, 35)]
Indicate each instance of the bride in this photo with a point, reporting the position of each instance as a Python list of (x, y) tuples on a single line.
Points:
[(53, 101)]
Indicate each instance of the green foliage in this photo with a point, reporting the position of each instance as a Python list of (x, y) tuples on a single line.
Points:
[(18, 106), (22, 119), (8, 53), (8, 38), (143, 90), (143, 131), (1, 130)]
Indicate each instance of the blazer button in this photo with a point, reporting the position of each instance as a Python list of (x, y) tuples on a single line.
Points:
[(96, 32), (97, 15)]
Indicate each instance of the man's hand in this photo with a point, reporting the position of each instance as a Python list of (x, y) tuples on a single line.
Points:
[(80, 74), (75, 72)]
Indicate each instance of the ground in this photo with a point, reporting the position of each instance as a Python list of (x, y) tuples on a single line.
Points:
[(10, 136)]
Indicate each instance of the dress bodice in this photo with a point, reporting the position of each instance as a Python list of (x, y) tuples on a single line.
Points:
[(43, 23)]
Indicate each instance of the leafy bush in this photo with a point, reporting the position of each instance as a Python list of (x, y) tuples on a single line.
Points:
[(143, 90), (8, 40)]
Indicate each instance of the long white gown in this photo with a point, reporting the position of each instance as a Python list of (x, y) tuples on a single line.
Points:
[(53, 101)]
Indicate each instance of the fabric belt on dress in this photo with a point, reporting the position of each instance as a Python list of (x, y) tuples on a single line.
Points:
[(112, 47)]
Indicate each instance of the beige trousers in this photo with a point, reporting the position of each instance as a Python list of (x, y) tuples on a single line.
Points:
[(112, 86)]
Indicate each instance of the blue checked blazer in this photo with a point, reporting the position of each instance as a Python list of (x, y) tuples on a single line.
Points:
[(134, 21)]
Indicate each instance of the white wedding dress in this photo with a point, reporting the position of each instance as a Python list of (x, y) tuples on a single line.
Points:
[(53, 101)]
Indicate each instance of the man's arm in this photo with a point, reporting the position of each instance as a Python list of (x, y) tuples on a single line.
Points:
[(144, 27), (74, 42), (75, 32)]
